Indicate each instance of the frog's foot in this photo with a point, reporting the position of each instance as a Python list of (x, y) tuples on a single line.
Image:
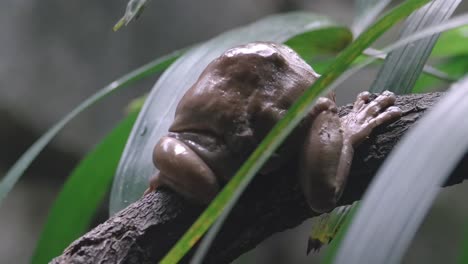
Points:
[(367, 115), (331, 95)]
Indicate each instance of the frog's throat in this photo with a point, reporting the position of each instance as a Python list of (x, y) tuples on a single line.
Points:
[(213, 151), (184, 171)]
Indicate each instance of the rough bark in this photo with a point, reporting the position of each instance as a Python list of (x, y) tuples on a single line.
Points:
[(146, 230)]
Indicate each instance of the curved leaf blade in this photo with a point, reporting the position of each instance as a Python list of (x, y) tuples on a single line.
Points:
[(14, 173), (456, 66), (402, 67), (453, 23), (157, 114), (396, 203), (82, 193), (226, 199), (133, 11), (428, 70), (464, 247), (333, 248), (325, 227)]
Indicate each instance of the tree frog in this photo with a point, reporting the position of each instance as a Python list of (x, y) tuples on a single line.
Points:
[(236, 101)]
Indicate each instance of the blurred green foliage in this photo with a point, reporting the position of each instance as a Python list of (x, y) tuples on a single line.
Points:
[(82, 193)]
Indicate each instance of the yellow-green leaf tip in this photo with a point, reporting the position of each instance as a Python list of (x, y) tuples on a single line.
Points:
[(119, 24)]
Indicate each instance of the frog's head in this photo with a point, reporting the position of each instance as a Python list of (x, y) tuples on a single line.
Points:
[(262, 51)]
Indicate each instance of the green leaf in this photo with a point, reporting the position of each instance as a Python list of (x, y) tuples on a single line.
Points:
[(453, 23), (327, 40), (232, 191), (136, 104), (455, 67), (408, 182), (331, 250), (428, 70), (325, 227), (15, 172), (453, 72), (362, 62), (136, 165), (82, 193), (464, 247), (452, 43), (133, 10), (403, 66)]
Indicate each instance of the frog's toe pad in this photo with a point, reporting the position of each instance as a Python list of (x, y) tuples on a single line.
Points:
[(390, 114), (361, 100)]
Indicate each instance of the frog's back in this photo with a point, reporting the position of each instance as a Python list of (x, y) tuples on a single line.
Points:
[(243, 93)]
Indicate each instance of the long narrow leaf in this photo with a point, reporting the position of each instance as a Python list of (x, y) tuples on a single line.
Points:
[(325, 227), (403, 67), (13, 175), (331, 251), (82, 193), (132, 11), (232, 191), (464, 246), (453, 23), (427, 69), (157, 114)]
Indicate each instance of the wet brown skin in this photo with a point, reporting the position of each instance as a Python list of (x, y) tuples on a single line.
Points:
[(236, 101)]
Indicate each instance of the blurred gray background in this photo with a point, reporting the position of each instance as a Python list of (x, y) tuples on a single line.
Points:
[(54, 54)]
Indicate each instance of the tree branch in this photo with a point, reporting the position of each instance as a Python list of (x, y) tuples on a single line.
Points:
[(145, 231)]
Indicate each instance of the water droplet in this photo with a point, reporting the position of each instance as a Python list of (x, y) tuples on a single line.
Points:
[(143, 131)]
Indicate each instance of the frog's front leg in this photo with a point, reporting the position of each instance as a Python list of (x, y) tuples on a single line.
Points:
[(329, 147)]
